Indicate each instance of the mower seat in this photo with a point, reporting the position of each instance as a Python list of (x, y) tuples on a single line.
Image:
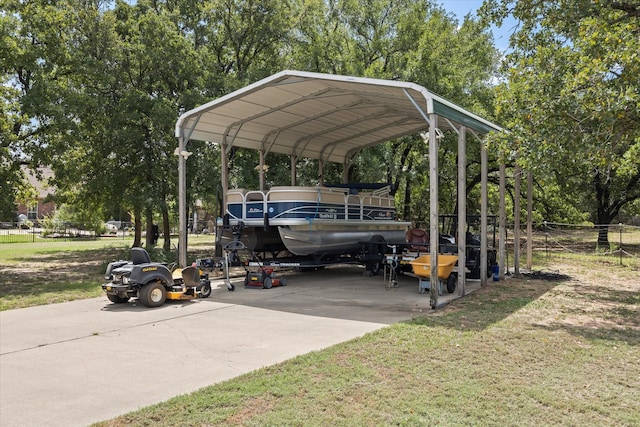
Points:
[(191, 276), (140, 256)]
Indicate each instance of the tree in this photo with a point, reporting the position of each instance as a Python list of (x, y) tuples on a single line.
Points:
[(93, 88), (407, 40), (134, 71), (32, 68), (572, 101)]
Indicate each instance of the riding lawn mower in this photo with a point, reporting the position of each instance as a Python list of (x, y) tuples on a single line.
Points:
[(152, 282)]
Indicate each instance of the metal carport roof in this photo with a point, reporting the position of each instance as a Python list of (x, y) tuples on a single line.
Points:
[(332, 118), (321, 116)]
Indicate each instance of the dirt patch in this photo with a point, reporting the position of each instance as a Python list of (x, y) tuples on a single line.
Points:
[(598, 301), (54, 269)]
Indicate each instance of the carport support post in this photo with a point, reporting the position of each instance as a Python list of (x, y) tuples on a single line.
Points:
[(502, 220), (483, 214), (261, 167), (462, 208), (345, 171), (516, 221), (433, 209), (224, 175), (529, 220), (182, 204), (294, 162)]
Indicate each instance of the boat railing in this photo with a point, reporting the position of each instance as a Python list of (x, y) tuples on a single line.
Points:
[(244, 204), (380, 197)]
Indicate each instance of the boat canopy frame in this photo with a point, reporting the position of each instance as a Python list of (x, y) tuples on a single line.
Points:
[(331, 118)]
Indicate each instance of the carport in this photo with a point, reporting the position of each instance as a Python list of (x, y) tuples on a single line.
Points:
[(332, 118)]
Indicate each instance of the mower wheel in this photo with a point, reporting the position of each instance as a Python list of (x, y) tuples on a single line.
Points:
[(267, 283), (205, 290), (117, 299), (153, 294)]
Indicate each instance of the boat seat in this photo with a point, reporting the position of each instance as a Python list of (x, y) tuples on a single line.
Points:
[(309, 194), (254, 196), (335, 196), (236, 195), (418, 238)]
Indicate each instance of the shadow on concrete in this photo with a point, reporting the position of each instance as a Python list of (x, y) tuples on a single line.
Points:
[(342, 292)]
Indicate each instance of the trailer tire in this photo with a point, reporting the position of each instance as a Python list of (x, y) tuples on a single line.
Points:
[(117, 299), (153, 294), (267, 283), (375, 255)]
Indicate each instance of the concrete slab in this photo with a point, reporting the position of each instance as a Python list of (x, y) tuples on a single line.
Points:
[(79, 362)]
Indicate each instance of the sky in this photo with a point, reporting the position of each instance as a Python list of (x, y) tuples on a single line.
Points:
[(461, 7)]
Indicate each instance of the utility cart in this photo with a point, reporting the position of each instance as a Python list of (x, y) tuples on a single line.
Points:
[(446, 276)]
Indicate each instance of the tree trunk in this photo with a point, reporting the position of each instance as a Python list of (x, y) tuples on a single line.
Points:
[(406, 209), (150, 241), (166, 229), (137, 239), (602, 184), (406, 214), (603, 235)]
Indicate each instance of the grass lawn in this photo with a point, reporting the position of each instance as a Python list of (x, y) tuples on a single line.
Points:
[(525, 352), (558, 349), (50, 271)]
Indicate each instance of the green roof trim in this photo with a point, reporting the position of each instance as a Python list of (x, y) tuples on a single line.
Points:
[(467, 119)]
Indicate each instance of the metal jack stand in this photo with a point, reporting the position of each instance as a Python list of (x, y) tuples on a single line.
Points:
[(391, 263), (231, 254)]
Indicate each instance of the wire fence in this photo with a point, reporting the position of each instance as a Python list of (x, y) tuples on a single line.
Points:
[(35, 231), (549, 238), (623, 241)]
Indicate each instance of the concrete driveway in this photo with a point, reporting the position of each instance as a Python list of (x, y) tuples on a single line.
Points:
[(79, 362)]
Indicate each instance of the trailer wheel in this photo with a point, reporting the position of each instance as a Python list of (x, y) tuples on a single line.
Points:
[(283, 281), (267, 283), (375, 254), (451, 283), (153, 294), (205, 290), (117, 299)]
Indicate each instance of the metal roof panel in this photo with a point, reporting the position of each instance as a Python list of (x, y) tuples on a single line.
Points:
[(321, 115)]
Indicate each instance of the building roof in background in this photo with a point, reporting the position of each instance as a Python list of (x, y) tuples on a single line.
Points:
[(40, 179)]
